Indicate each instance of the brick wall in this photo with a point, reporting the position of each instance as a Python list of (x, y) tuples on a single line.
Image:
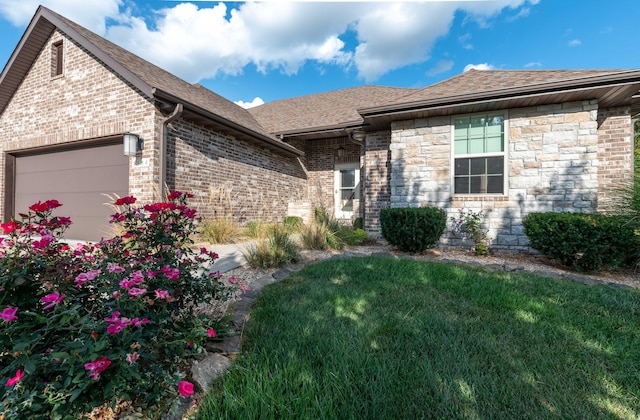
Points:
[(232, 177), (322, 158), (558, 160), (377, 177), (87, 101), (615, 153)]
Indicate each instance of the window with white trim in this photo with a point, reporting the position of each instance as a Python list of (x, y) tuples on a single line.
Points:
[(479, 156)]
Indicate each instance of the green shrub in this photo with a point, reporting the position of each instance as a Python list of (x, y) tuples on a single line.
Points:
[(352, 237), (257, 229), (276, 250), (319, 236), (218, 231), (321, 215), (358, 223), (413, 229), (587, 242), (93, 324), (293, 223)]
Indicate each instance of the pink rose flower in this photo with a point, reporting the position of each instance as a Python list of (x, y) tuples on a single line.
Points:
[(114, 268), (161, 294), (134, 291), (211, 332), (132, 357), (42, 207), (52, 299), (170, 272), (125, 200), (97, 366), (185, 388), (16, 379), (82, 278), (9, 314)]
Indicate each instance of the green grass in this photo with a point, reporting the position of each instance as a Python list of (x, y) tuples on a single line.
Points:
[(382, 338)]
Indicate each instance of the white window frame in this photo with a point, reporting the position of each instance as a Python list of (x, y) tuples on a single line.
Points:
[(339, 213), (504, 154)]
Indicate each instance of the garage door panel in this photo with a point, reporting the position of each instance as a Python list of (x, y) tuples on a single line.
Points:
[(75, 159), (70, 180), (79, 179)]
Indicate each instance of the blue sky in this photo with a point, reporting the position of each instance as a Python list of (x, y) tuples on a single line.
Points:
[(276, 49)]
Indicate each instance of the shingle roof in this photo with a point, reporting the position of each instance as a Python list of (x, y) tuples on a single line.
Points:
[(328, 109), (161, 79), (150, 79), (490, 81)]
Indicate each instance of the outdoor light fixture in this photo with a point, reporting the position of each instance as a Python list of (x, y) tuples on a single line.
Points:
[(340, 152), (132, 144)]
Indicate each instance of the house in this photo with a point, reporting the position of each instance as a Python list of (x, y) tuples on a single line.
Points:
[(504, 142)]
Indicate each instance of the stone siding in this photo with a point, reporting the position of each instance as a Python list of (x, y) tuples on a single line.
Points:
[(555, 156), (231, 177)]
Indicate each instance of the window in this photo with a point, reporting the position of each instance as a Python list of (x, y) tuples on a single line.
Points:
[(479, 158), (56, 59)]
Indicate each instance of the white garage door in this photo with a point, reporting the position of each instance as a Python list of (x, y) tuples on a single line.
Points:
[(78, 179)]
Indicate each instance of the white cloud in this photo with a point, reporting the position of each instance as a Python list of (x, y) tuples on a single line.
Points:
[(256, 102), (89, 13), (465, 41), (440, 67), (482, 66), (574, 43), (533, 64), (203, 41)]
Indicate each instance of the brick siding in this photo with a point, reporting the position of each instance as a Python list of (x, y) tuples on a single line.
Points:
[(615, 153), (87, 101), (377, 177), (231, 177), (322, 158)]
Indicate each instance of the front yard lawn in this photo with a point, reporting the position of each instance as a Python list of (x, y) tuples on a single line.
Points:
[(383, 338)]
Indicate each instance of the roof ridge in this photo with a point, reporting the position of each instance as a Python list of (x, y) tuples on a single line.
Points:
[(157, 78)]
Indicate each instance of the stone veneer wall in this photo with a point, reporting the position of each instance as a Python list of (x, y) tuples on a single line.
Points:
[(87, 101), (232, 177), (322, 156), (558, 160)]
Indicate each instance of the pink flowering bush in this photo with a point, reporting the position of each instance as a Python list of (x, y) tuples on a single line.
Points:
[(104, 322)]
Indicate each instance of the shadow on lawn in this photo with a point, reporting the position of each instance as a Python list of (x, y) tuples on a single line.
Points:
[(413, 339)]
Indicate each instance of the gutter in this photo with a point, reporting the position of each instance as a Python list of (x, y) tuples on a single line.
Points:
[(594, 82), (327, 129), (164, 134)]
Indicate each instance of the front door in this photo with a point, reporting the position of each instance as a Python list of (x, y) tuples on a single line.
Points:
[(347, 190)]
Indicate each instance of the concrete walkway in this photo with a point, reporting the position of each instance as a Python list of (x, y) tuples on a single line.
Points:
[(229, 256)]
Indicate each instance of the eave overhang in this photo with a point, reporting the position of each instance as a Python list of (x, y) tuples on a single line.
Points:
[(618, 89), (34, 39), (321, 132)]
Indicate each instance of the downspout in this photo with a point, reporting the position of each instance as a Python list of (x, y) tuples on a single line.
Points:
[(164, 134)]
